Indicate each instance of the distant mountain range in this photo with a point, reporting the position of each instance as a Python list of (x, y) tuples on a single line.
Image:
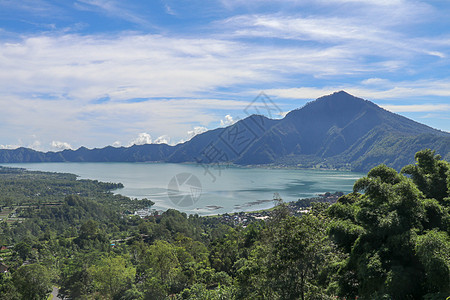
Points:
[(334, 131)]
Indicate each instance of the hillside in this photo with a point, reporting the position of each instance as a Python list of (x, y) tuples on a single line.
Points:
[(334, 131), (341, 130)]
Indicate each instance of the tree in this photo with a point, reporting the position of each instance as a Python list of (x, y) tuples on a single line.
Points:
[(384, 230), (75, 279), (32, 281), (112, 275), (433, 250), (430, 174), (252, 273), (23, 249), (7, 289), (159, 269), (301, 249), (383, 256), (89, 229)]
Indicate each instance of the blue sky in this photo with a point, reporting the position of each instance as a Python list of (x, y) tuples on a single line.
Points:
[(98, 72)]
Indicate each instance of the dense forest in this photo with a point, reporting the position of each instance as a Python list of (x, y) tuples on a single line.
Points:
[(389, 239)]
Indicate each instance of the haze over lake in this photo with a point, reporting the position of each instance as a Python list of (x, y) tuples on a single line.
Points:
[(234, 189)]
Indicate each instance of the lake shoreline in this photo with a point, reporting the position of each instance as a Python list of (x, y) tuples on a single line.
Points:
[(232, 189)]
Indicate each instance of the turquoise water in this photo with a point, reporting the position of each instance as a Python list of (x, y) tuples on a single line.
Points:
[(207, 189)]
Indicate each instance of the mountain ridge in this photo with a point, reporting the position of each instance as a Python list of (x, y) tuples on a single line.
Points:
[(333, 131)]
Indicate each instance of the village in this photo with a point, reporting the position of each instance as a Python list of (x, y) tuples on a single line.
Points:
[(296, 208)]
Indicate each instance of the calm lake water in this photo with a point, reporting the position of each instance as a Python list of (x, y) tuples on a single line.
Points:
[(207, 190)]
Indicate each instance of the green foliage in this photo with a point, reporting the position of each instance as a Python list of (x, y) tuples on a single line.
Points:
[(8, 290), (385, 232), (161, 264), (112, 275), (201, 292), (301, 250), (32, 281), (433, 251), (76, 280), (389, 239), (23, 250), (345, 233), (430, 174)]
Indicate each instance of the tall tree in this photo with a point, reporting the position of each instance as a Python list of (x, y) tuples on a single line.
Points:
[(433, 251), (112, 275), (32, 281), (385, 232), (430, 174), (301, 250)]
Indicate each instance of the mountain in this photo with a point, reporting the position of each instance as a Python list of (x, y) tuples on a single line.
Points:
[(334, 131), (341, 130), (135, 153)]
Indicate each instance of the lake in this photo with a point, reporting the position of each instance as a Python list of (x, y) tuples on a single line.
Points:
[(205, 189)]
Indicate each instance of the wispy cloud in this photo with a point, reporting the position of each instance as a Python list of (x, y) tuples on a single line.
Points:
[(354, 35), (54, 81), (122, 67), (36, 7), (167, 81), (145, 66), (417, 107), (443, 116), (300, 92), (374, 88), (116, 9), (169, 10)]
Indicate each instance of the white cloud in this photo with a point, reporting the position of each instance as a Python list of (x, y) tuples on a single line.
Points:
[(164, 139), (373, 2), (142, 139), (344, 30), (417, 107), (197, 130), (374, 81), (444, 116), (36, 145), (283, 114), (112, 8), (169, 10), (117, 144), (99, 124), (437, 53), (9, 146), (355, 30), (404, 90), (228, 121), (132, 66), (122, 67), (374, 88), (35, 7), (60, 145), (49, 82), (331, 5), (301, 93)]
